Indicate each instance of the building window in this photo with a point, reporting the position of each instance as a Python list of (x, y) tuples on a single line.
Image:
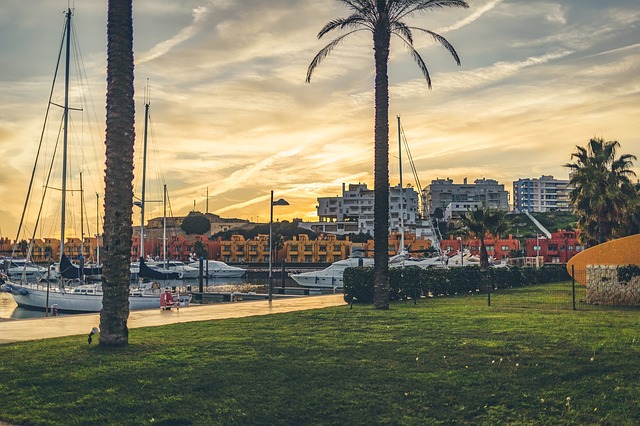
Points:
[(505, 248)]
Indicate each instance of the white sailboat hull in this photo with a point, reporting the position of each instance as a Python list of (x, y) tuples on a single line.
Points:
[(36, 298)]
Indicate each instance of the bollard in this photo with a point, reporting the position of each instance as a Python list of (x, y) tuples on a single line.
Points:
[(283, 274)]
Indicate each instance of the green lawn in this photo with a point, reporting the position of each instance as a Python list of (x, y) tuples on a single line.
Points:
[(443, 361)]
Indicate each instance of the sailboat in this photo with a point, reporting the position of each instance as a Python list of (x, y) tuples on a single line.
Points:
[(142, 269), (402, 258), (83, 297)]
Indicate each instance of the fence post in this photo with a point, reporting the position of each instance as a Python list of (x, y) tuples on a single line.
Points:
[(484, 274), (573, 286)]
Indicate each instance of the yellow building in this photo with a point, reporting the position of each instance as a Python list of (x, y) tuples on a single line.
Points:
[(48, 249), (326, 249), (240, 250)]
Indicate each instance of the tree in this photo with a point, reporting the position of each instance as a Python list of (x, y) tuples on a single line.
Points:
[(48, 252), (383, 18), (630, 223), (118, 198), (481, 223), (196, 223), (602, 189), (200, 250), (23, 245)]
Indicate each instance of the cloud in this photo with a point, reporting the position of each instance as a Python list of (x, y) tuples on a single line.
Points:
[(474, 16), (162, 48)]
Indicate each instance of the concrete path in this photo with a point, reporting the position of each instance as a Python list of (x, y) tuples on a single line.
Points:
[(44, 328)]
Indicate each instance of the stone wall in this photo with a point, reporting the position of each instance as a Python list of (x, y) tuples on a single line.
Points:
[(604, 288)]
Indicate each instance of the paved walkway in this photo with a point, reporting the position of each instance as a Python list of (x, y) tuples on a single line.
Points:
[(43, 328)]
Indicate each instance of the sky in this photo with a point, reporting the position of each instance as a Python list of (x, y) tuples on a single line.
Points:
[(232, 117)]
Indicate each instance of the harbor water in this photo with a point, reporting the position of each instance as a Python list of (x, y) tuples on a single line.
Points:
[(9, 309)]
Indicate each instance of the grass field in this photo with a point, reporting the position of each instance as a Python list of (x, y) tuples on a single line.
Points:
[(451, 360)]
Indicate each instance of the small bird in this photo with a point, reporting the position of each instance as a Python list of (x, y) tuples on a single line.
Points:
[(94, 330)]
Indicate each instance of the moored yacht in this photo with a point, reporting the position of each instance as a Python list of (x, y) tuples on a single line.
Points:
[(331, 276), (16, 268), (218, 269)]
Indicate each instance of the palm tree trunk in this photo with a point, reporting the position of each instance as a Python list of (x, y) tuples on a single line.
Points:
[(484, 256), (118, 198), (381, 42)]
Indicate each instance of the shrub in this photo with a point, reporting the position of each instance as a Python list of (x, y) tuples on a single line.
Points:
[(627, 273), (413, 283)]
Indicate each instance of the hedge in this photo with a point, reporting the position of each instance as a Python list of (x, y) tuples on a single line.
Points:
[(414, 282)]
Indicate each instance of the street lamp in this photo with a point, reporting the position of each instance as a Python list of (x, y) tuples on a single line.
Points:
[(280, 202)]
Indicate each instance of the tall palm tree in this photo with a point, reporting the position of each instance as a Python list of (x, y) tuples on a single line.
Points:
[(118, 197), (482, 222), (383, 18), (630, 223), (602, 189)]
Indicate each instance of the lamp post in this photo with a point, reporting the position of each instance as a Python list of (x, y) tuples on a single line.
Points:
[(461, 252), (280, 202)]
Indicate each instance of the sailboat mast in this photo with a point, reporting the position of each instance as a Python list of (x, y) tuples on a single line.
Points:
[(401, 190), (97, 229), (65, 133), (164, 227), (81, 217), (144, 177)]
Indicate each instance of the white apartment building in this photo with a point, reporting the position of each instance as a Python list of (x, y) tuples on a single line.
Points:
[(454, 198), (544, 194), (353, 211)]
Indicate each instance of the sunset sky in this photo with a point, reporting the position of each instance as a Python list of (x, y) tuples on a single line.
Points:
[(231, 113)]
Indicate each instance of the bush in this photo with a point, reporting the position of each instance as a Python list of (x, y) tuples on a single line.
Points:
[(413, 283)]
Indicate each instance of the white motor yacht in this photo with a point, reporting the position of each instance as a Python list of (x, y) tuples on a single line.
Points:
[(16, 268), (218, 269), (331, 276), (185, 271)]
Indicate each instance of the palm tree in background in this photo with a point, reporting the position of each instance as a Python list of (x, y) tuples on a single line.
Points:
[(481, 223), (383, 18), (630, 223), (118, 197), (602, 189)]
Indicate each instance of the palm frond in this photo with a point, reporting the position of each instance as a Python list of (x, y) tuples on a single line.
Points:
[(352, 21), (402, 30), (324, 52), (404, 8), (443, 41), (365, 8), (416, 57)]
